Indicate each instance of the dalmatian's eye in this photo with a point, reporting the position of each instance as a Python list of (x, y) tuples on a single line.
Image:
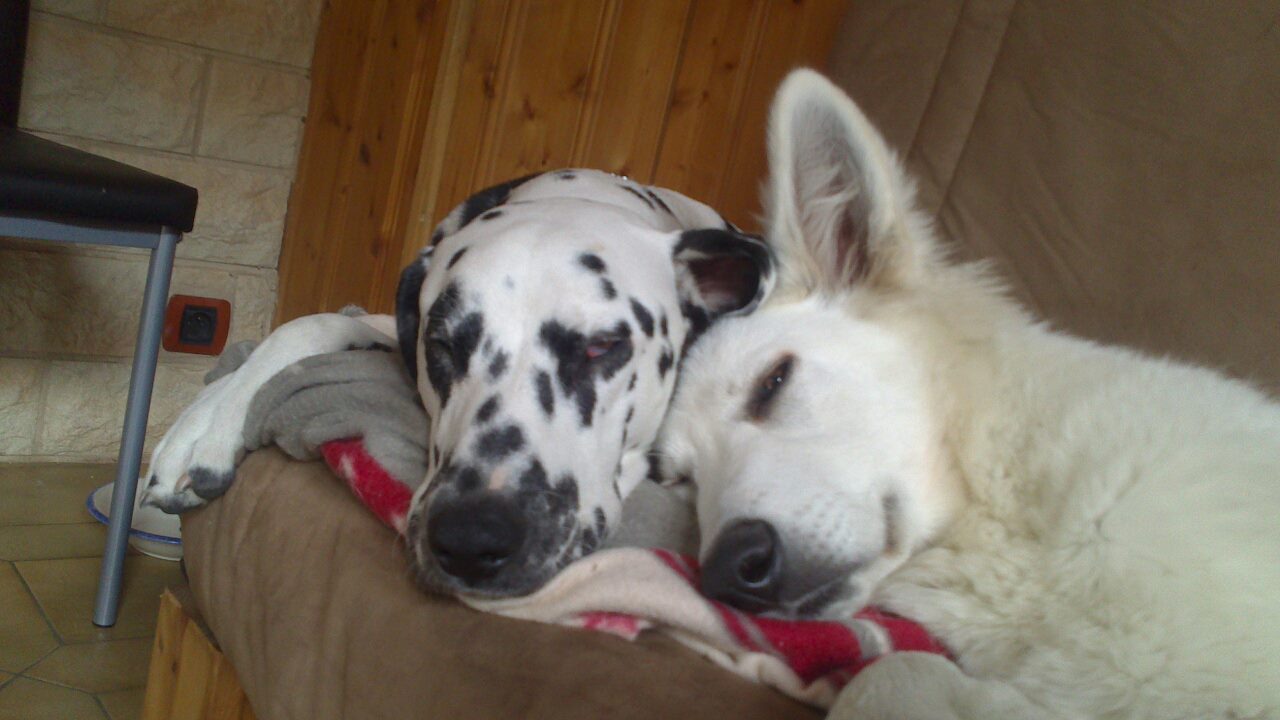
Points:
[(768, 385), (607, 345)]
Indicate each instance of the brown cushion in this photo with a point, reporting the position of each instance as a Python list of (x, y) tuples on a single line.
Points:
[(1119, 161), (310, 598)]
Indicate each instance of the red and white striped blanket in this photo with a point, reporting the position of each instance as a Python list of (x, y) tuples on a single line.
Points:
[(625, 591)]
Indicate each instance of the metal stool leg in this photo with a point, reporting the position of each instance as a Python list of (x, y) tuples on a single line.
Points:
[(135, 427)]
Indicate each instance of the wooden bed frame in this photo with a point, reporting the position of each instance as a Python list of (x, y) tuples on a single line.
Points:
[(189, 677)]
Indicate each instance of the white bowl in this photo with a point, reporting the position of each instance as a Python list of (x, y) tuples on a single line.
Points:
[(154, 532)]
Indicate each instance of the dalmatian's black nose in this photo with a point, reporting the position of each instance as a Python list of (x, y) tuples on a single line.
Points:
[(744, 567), (474, 538)]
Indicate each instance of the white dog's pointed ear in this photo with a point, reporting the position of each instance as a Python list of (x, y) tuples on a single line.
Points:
[(720, 272), (408, 314), (839, 208)]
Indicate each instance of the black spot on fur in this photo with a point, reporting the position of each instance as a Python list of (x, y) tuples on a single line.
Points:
[(534, 479), (497, 365), (647, 202), (664, 362), (655, 466), (210, 484), (663, 326), (450, 345), (567, 488), (491, 215), (456, 257), (577, 382), (566, 176), (631, 412), (575, 373), (466, 479), (619, 356), (488, 410), (594, 535), (602, 521), (380, 347), (553, 509), (546, 396), (408, 317), (698, 321), (631, 385), (643, 316), (654, 197), (588, 542), (498, 443), (490, 198), (606, 287), (592, 262), (437, 235)]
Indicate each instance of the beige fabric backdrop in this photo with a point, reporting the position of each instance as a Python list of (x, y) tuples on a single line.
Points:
[(1120, 161)]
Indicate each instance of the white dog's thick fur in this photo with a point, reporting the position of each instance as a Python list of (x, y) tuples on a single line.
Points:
[(1093, 533)]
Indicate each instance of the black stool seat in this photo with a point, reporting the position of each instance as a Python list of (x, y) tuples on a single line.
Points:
[(40, 177)]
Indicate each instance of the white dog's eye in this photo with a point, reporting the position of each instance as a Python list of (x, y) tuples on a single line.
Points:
[(767, 387)]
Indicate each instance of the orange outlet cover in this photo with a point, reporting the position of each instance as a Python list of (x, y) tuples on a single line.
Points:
[(196, 325)]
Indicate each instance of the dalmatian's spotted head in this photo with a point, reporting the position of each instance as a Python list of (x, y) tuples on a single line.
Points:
[(544, 327)]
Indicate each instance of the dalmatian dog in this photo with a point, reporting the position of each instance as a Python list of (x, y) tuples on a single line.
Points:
[(543, 327), (1091, 532)]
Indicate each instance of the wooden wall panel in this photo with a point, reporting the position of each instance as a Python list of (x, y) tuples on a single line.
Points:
[(373, 149), (374, 60), (633, 92), (307, 252), (449, 97), (702, 114), (791, 35)]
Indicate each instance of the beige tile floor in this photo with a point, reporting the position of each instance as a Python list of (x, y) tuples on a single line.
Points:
[(54, 663)]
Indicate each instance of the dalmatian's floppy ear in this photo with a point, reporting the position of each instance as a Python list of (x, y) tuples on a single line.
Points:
[(721, 272), (408, 314)]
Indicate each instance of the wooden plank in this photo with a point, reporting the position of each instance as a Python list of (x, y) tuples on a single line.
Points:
[(710, 82), (439, 115), (435, 55), (380, 140), (225, 695), (195, 663), (637, 76), (795, 34), (162, 673), (537, 117), (481, 79), (308, 243)]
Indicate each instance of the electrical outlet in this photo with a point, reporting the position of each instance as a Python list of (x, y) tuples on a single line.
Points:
[(196, 325)]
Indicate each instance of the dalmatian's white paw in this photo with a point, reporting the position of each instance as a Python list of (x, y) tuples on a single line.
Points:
[(196, 460)]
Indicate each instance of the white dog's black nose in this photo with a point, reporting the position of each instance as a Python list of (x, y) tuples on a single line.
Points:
[(744, 567), (474, 538)]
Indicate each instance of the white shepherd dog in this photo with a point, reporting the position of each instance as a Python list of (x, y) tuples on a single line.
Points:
[(1092, 532)]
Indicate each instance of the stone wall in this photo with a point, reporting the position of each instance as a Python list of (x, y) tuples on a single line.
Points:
[(208, 92)]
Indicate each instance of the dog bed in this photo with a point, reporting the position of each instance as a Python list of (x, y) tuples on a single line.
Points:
[(309, 596)]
